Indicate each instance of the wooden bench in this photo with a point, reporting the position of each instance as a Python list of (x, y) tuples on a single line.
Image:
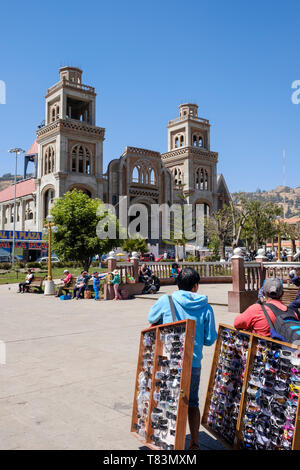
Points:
[(69, 288), (289, 294), (37, 283)]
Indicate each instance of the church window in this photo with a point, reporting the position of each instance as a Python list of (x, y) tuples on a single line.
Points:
[(49, 160), (152, 177), (136, 174), (81, 159), (206, 180), (202, 179), (48, 202), (178, 177)]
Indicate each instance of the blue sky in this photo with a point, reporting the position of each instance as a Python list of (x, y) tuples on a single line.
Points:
[(237, 60)]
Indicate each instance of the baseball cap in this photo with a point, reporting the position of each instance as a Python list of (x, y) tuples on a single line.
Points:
[(273, 288), (66, 271)]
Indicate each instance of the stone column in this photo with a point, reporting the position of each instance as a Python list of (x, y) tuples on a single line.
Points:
[(109, 293), (135, 264), (260, 258), (238, 297)]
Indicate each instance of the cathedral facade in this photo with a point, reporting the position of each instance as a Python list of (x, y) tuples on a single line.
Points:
[(68, 153)]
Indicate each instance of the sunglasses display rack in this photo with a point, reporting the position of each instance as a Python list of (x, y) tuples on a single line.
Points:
[(272, 396), (252, 400), (160, 404), (226, 383)]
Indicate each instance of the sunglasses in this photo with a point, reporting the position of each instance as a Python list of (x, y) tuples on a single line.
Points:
[(294, 388), (286, 353), (159, 426), (293, 397)]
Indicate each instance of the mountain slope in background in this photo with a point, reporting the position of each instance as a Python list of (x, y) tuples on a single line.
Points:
[(288, 198), (7, 179)]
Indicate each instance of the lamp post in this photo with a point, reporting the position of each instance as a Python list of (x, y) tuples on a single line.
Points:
[(49, 227), (17, 151), (279, 248)]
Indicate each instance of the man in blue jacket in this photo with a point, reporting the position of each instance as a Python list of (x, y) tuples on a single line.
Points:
[(189, 305)]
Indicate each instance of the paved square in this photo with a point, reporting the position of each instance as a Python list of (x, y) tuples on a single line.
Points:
[(69, 377)]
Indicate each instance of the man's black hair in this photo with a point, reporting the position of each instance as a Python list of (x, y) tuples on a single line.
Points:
[(187, 278)]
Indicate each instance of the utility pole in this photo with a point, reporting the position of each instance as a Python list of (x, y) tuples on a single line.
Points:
[(17, 151)]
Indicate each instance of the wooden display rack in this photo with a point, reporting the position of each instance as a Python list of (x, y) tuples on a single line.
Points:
[(182, 409), (253, 340)]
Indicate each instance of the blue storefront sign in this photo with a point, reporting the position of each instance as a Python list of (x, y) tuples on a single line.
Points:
[(24, 240), (21, 235)]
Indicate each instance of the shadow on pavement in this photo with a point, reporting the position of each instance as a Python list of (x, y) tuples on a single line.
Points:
[(206, 442)]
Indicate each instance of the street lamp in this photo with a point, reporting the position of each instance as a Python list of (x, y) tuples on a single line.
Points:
[(49, 227), (17, 151)]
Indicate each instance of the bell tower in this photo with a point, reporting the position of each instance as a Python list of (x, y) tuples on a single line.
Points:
[(189, 158), (70, 145)]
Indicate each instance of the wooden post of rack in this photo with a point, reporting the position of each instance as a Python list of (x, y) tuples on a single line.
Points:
[(248, 370), (182, 409), (212, 381)]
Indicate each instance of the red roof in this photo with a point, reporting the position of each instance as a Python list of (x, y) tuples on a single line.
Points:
[(23, 189), (33, 149), (292, 220)]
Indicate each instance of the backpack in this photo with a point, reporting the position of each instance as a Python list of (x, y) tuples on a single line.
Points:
[(286, 326)]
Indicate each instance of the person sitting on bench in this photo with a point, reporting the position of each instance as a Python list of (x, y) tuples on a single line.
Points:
[(24, 286), (81, 285), (67, 282)]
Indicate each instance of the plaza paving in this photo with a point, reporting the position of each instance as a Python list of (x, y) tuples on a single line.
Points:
[(69, 377)]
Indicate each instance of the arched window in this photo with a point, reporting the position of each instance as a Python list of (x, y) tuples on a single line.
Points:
[(48, 201), (81, 159), (49, 160), (181, 141), (200, 142), (195, 143), (202, 179), (176, 142), (152, 177), (178, 176), (136, 172), (54, 112), (205, 180)]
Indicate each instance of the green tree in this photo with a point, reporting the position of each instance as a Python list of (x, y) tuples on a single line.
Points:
[(219, 230), (261, 222), (75, 215), (135, 244), (293, 234)]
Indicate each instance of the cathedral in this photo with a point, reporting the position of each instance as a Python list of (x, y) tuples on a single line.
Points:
[(68, 153)]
